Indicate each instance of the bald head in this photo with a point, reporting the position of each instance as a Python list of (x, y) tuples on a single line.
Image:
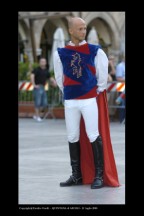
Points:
[(74, 21), (77, 29)]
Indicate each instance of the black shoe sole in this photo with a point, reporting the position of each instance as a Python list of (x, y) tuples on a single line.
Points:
[(97, 187), (71, 185)]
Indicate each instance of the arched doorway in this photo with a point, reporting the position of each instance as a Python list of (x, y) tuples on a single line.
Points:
[(104, 33), (47, 33), (46, 39)]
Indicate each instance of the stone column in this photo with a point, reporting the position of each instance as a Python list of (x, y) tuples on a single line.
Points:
[(28, 52)]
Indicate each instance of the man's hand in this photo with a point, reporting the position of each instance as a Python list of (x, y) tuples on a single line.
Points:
[(53, 82)]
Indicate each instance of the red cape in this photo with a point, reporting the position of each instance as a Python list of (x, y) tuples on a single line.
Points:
[(87, 161)]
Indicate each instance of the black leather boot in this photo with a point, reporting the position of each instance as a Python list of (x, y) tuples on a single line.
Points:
[(76, 177), (97, 147)]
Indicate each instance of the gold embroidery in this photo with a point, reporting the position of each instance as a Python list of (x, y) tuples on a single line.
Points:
[(76, 68)]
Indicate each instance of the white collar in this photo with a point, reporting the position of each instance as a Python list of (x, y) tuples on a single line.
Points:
[(81, 43)]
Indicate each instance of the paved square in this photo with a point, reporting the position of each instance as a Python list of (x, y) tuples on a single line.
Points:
[(44, 162)]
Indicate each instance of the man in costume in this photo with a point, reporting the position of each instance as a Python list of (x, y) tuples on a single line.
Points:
[(81, 72)]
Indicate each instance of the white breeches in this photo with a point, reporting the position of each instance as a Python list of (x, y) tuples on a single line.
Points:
[(73, 111)]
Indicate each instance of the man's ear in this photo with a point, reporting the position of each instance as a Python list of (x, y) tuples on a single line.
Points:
[(70, 31)]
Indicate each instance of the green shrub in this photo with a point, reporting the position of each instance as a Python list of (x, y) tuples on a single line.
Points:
[(24, 70)]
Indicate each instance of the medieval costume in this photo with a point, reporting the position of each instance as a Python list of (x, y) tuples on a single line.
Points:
[(81, 74)]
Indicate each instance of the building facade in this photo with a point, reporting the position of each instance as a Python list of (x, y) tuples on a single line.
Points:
[(36, 31)]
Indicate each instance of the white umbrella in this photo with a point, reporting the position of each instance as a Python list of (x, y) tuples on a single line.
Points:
[(58, 42), (93, 37)]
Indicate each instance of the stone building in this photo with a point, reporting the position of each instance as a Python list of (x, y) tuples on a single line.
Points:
[(36, 30)]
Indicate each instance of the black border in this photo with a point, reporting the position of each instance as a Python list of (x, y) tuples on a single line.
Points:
[(14, 131)]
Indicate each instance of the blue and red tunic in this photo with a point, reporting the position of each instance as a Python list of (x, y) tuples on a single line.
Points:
[(79, 71)]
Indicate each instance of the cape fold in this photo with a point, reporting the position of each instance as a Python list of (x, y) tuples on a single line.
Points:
[(87, 161)]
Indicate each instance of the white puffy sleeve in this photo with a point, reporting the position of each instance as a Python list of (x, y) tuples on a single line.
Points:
[(58, 70), (101, 64)]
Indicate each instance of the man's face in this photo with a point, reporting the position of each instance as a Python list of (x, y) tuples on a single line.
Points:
[(42, 62), (78, 31)]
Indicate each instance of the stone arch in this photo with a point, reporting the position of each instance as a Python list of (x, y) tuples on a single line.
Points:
[(38, 26), (103, 31), (44, 34), (111, 25)]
